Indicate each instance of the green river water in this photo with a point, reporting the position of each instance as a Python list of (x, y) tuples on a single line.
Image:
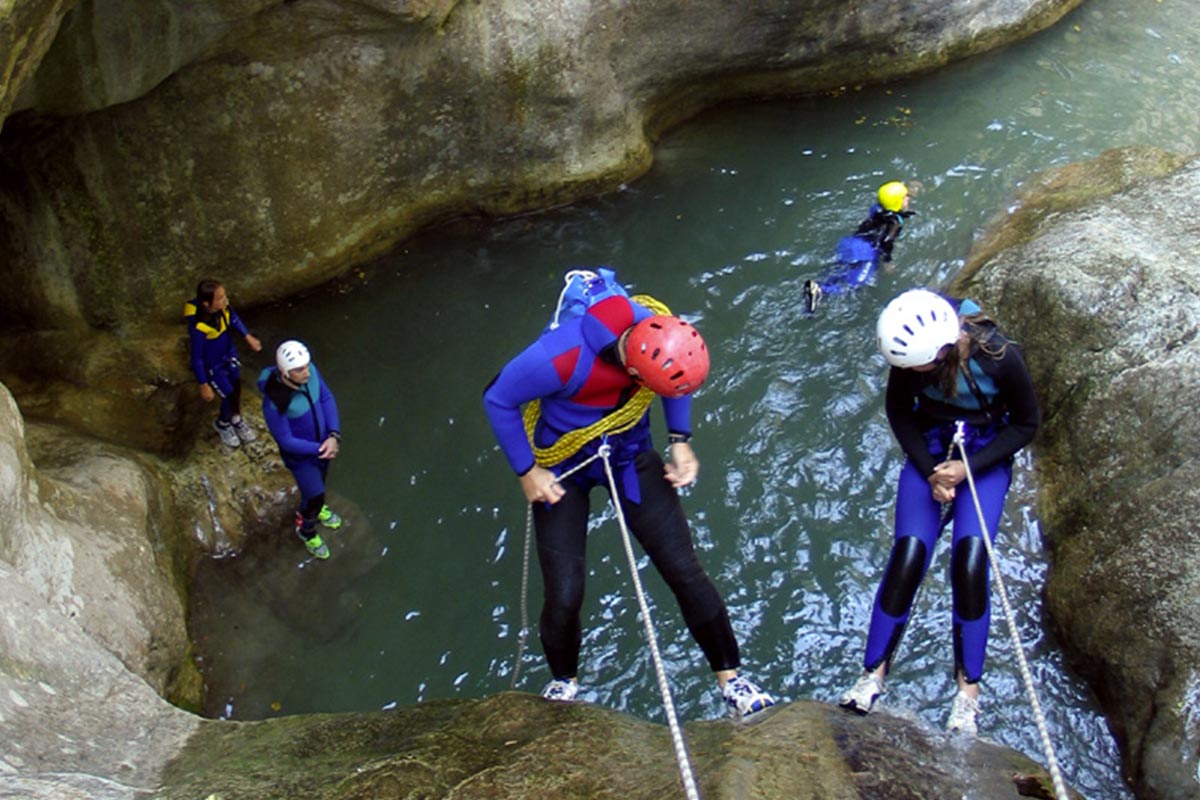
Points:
[(792, 511)]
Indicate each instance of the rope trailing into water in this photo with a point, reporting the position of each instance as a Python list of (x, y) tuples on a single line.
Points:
[(1060, 790), (617, 421)]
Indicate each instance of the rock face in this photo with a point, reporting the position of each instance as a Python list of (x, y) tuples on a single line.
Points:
[(278, 143), (1095, 276), (518, 746), (66, 532)]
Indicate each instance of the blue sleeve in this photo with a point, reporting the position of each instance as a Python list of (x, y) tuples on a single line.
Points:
[(236, 323), (278, 425), (678, 413), (529, 376), (198, 342)]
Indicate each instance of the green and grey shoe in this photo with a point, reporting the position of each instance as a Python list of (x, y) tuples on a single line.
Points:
[(329, 519), (316, 546)]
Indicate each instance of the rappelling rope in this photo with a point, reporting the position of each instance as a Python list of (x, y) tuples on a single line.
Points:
[(1060, 790), (681, 753), (524, 634)]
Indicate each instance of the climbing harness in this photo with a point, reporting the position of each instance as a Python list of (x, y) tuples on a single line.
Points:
[(1040, 718)]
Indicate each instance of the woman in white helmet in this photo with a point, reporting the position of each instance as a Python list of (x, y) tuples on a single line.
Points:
[(949, 363), (301, 413)]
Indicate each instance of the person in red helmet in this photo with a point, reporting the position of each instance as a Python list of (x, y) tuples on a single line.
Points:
[(593, 374)]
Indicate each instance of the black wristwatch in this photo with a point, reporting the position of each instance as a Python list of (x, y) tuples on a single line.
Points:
[(678, 438)]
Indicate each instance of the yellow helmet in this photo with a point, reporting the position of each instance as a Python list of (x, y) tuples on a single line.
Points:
[(892, 194)]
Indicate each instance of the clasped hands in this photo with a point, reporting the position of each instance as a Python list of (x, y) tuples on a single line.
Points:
[(945, 477)]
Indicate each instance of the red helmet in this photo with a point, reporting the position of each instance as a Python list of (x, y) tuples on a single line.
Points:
[(667, 356)]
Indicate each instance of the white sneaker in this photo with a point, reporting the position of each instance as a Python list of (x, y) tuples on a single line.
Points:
[(963, 711), (862, 696), (243, 430), (560, 691), (743, 697), (227, 433)]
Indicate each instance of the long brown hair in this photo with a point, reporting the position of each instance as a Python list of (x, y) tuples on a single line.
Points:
[(982, 337)]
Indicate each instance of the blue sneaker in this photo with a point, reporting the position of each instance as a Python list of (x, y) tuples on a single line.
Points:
[(743, 697), (560, 691)]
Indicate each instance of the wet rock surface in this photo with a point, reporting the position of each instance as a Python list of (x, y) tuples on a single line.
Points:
[(1093, 275)]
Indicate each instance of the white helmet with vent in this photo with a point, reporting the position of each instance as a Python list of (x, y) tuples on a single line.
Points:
[(291, 355), (914, 328)]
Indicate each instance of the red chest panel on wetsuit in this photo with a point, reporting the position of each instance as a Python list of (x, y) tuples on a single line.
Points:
[(604, 386)]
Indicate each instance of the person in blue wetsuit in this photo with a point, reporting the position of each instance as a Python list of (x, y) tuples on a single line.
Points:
[(857, 256), (580, 370), (211, 324), (302, 415), (949, 363)]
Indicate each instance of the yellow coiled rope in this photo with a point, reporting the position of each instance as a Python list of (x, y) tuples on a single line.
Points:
[(617, 421)]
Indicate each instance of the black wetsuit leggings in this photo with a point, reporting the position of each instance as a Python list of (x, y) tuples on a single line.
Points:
[(659, 525)]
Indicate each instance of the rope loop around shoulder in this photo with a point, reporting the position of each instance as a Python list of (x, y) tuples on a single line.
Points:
[(617, 421)]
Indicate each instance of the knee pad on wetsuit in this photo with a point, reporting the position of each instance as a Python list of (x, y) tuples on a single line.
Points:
[(968, 576), (905, 569)]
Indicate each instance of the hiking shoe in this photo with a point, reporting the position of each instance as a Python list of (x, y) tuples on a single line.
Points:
[(228, 435), (315, 545), (243, 430), (560, 691), (963, 711), (743, 697), (812, 295), (329, 519), (862, 696)]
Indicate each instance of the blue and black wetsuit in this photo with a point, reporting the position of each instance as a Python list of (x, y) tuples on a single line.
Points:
[(214, 356), (857, 257), (300, 420), (995, 398), (882, 228), (574, 372)]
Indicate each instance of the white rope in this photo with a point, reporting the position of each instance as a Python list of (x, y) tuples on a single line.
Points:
[(1060, 790), (681, 753), (586, 274), (524, 633), (523, 636)]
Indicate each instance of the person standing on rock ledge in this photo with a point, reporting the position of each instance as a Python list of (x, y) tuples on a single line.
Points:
[(949, 365), (302, 415), (591, 377), (214, 358)]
